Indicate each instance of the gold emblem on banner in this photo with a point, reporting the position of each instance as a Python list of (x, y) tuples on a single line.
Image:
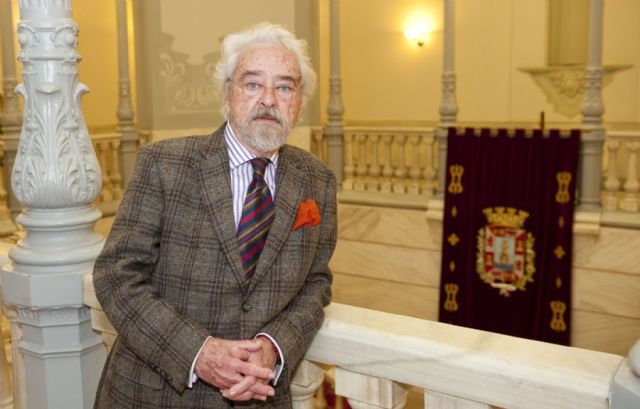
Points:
[(456, 171), (558, 282), (563, 196), (452, 266), (559, 252), (561, 222), (557, 321), (450, 303), (505, 257), (453, 239), (454, 211)]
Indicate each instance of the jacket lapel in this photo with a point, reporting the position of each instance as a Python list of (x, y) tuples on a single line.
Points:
[(289, 189), (213, 171)]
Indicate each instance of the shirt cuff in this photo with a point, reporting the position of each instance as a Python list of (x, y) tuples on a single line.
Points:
[(193, 378), (280, 362)]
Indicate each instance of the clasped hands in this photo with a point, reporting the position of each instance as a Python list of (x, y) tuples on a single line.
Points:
[(242, 370)]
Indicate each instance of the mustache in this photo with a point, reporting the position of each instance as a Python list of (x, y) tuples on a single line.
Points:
[(267, 113)]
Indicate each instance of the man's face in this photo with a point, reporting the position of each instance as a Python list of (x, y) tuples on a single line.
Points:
[(263, 100)]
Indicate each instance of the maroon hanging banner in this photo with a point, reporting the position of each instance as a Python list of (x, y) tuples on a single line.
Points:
[(507, 234)]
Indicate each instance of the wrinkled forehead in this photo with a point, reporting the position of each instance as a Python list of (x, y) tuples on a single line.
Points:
[(268, 61)]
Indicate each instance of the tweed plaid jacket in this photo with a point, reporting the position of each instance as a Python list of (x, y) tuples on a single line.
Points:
[(170, 273)]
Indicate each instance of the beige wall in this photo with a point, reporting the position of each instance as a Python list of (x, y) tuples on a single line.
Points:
[(385, 79), (97, 44), (389, 260)]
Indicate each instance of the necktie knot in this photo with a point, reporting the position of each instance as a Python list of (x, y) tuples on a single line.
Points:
[(260, 166)]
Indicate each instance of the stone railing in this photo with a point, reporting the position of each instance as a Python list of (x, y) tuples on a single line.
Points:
[(399, 166), (107, 146), (379, 358), (385, 165), (621, 184)]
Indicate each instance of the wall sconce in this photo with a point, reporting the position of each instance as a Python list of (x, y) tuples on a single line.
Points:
[(417, 33)]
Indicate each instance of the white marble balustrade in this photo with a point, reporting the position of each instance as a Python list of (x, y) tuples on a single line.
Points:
[(107, 148), (390, 160), (377, 355), (404, 161), (621, 184)]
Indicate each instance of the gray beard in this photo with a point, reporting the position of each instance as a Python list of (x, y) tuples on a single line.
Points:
[(266, 138)]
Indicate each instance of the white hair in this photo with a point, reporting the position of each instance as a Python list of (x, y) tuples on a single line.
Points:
[(234, 44)]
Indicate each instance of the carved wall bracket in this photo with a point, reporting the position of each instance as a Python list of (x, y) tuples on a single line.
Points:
[(564, 85)]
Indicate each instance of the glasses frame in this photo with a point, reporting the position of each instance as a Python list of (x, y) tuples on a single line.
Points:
[(245, 88)]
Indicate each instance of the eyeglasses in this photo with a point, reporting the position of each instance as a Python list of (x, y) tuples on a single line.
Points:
[(252, 89)]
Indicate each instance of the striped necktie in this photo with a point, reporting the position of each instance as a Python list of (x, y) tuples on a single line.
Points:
[(257, 215)]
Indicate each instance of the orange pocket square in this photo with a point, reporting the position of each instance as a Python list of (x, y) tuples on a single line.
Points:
[(308, 215)]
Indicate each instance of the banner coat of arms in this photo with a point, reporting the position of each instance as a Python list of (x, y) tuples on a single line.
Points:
[(507, 235)]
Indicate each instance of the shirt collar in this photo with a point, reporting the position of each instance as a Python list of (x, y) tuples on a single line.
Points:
[(238, 154)]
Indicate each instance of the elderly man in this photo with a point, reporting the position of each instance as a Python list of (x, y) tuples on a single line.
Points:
[(215, 271)]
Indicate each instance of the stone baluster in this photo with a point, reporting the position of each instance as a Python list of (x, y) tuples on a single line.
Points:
[(631, 186), (334, 130), (17, 361), (116, 176), (448, 105), (306, 381), (318, 145), (368, 392), (612, 184), (374, 169), (7, 227), (399, 185), (387, 167), (625, 390), (441, 401), (347, 183), (361, 163), (6, 390), (589, 185), (11, 119), (106, 195), (128, 132), (430, 173), (56, 176), (414, 170)]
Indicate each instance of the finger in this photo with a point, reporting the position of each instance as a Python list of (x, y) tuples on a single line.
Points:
[(260, 388), (242, 386), (249, 345), (240, 353), (245, 397), (250, 369), (253, 385)]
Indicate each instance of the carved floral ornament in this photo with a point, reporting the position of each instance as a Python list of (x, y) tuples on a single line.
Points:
[(55, 165), (564, 86)]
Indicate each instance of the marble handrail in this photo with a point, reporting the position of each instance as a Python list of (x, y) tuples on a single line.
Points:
[(375, 352), (463, 364)]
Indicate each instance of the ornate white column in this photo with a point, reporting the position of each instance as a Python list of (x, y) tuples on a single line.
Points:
[(334, 130), (56, 175), (590, 182), (11, 119), (448, 105), (129, 134)]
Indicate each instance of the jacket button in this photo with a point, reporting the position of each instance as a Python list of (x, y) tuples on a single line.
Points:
[(246, 307)]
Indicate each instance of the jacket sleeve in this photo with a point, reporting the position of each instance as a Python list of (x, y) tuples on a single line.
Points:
[(163, 339), (296, 326)]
